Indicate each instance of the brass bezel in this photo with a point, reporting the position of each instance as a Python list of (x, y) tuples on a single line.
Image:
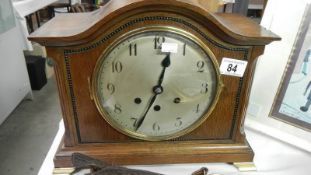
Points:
[(95, 95)]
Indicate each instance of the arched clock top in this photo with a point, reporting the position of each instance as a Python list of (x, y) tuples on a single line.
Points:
[(80, 28), (143, 81)]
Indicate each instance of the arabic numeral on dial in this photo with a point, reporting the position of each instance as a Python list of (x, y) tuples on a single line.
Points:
[(184, 49), (158, 40), (134, 121), (133, 49), (156, 127), (204, 89), (197, 109), (117, 109), (117, 66), (178, 122), (231, 67), (200, 66), (111, 88)]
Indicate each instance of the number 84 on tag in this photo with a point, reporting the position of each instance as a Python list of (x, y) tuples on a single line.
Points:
[(233, 67)]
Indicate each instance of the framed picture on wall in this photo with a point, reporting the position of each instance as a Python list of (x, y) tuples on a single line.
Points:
[(292, 103)]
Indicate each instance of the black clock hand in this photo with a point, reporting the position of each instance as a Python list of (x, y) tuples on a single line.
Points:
[(140, 121), (156, 89), (165, 63)]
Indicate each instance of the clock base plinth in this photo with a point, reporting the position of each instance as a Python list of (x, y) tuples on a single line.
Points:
[(145, 153), (241, 166), (245, 166)]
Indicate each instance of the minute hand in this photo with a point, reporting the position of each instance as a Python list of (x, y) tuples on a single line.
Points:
[(156, 89)]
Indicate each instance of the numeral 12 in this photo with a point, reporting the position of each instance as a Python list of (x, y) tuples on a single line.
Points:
[(158, 40)]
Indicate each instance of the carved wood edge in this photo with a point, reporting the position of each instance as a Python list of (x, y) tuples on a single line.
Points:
[(69, 28)]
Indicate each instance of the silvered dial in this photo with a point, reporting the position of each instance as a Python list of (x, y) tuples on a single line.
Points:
[(154, 95)]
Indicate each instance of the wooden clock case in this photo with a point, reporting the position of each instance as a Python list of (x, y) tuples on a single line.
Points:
[(75, 43)]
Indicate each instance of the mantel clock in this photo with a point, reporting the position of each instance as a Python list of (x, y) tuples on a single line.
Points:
[(140, 81)]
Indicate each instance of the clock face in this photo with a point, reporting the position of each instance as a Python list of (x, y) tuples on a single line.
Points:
[(146, 92)]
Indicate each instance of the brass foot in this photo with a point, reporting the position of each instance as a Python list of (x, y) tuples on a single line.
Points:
[(245, 166), (62, 171), (67, 171)]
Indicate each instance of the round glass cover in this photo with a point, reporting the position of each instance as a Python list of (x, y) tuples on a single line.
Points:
[(156, 85)]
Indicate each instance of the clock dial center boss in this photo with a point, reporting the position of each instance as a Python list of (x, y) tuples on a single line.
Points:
[(156, 83)]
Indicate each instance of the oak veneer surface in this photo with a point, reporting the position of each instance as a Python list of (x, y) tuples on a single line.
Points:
[(76, 41), (93, 129)]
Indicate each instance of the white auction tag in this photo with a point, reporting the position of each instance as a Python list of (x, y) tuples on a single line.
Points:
[(233, 67), (169, 47)]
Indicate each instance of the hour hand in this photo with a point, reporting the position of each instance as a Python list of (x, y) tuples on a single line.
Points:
[(167, 61)]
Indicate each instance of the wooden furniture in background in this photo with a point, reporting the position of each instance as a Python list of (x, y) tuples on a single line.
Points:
[(78, 8), (76, 42), (82, 7), (240, 7), (58, 5), (30, 21)]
